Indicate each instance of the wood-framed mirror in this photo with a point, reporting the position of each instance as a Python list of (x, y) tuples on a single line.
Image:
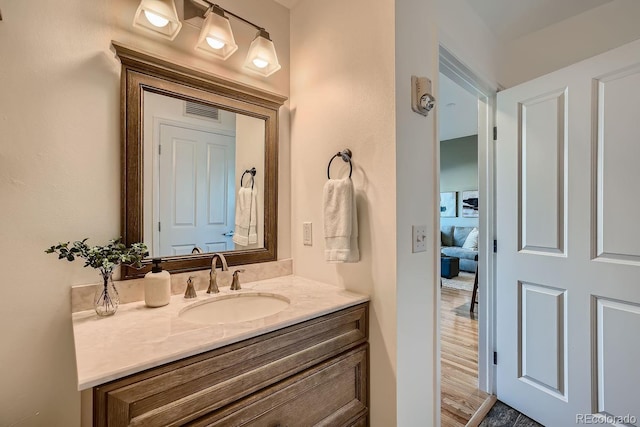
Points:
[(190, 142)]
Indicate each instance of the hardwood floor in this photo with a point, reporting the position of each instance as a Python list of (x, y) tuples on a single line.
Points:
[(459, 343)]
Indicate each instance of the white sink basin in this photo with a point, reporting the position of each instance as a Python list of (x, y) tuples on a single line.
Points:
[(235, 308)]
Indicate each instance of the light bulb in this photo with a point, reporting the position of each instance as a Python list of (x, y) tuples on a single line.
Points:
[(215, 43), (260, 63), (156, 20)]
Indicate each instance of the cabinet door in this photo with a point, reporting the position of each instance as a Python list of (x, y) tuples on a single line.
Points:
[(333, 393), (182, 391)]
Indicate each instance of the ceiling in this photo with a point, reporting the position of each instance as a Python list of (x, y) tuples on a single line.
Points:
[(508, 20), (514, 18), (511, 19), (288, 3), (457, 110)]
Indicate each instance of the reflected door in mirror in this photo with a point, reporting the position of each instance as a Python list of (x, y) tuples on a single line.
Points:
[(197, 192)]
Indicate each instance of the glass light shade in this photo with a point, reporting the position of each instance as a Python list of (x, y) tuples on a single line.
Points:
[(216, 37), (159, 17), (156, 20), (262, 58)]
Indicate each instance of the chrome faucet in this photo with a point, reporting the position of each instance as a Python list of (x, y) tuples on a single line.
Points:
[(213, 282), (235, 283)]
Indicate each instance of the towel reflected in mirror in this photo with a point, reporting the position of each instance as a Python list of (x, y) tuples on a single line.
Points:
[(246, 232)]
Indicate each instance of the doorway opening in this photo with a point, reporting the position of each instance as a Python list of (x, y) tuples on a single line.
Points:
[(465, 128)]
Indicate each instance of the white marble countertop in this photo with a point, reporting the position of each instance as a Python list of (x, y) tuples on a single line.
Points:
[(138, 338)]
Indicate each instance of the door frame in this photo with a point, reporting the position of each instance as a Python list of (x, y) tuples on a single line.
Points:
[(455, 69)]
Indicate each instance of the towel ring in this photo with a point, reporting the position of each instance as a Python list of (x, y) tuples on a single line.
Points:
[(252, 172), (346, 157)]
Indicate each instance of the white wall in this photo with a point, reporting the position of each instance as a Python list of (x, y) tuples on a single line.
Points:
[(453, 24), (342, 95), (60, 176), (564, 43), (417, 200)]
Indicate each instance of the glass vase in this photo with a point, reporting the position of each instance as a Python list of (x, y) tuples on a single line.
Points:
[(107, 300)]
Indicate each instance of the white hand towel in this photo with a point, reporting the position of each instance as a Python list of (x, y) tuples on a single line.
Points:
[(246, 217), (340, 221)]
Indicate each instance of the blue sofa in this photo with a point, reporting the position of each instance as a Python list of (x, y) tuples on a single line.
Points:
[(451, 239)]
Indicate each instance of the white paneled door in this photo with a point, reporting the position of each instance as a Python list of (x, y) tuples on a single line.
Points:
[(196, 202), (568, 227)]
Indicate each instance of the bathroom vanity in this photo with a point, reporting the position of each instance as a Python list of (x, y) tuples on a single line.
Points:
[(304, 365), (285, 351)]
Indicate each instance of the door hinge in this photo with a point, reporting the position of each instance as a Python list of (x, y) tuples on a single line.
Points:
[(159, 226), (495, 133), (495, 246), (159, 150), (495, 357)]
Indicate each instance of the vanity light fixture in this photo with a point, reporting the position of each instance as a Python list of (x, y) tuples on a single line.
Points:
[(216, 37), (262, 56), (158, 16)]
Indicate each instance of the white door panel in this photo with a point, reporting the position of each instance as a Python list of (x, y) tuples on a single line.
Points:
[(568, 262), (618, 151), (197, 190), (182, 192), (542, 141)]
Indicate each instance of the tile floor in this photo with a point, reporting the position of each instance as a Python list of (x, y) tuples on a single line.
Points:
[(502, 415)]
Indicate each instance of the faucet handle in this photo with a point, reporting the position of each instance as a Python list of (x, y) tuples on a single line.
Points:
[(190, 292), (235, 283)]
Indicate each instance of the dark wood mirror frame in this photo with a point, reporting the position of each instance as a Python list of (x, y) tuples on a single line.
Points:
[(145, 72)]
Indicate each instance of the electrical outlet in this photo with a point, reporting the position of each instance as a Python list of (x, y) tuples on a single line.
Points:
[(307, 235), (419, 241)]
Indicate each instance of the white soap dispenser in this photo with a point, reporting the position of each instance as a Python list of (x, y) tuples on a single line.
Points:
[(157, 285)]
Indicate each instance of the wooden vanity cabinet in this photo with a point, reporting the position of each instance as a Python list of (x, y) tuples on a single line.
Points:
[(311, 373)]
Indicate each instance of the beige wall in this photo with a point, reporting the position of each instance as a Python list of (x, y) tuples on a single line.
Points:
[(59, 175), (567, 42), (342, 95)]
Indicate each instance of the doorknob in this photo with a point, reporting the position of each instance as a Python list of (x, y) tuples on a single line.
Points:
[(228, 234)]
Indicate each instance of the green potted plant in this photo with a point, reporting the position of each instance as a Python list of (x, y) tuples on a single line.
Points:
[(105, 259)]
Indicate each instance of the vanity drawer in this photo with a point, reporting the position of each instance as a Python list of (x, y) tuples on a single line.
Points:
[(183, 391), (333, 393)]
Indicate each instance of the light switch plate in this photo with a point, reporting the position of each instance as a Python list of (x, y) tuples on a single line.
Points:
[(307, 235), (419, 240)]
